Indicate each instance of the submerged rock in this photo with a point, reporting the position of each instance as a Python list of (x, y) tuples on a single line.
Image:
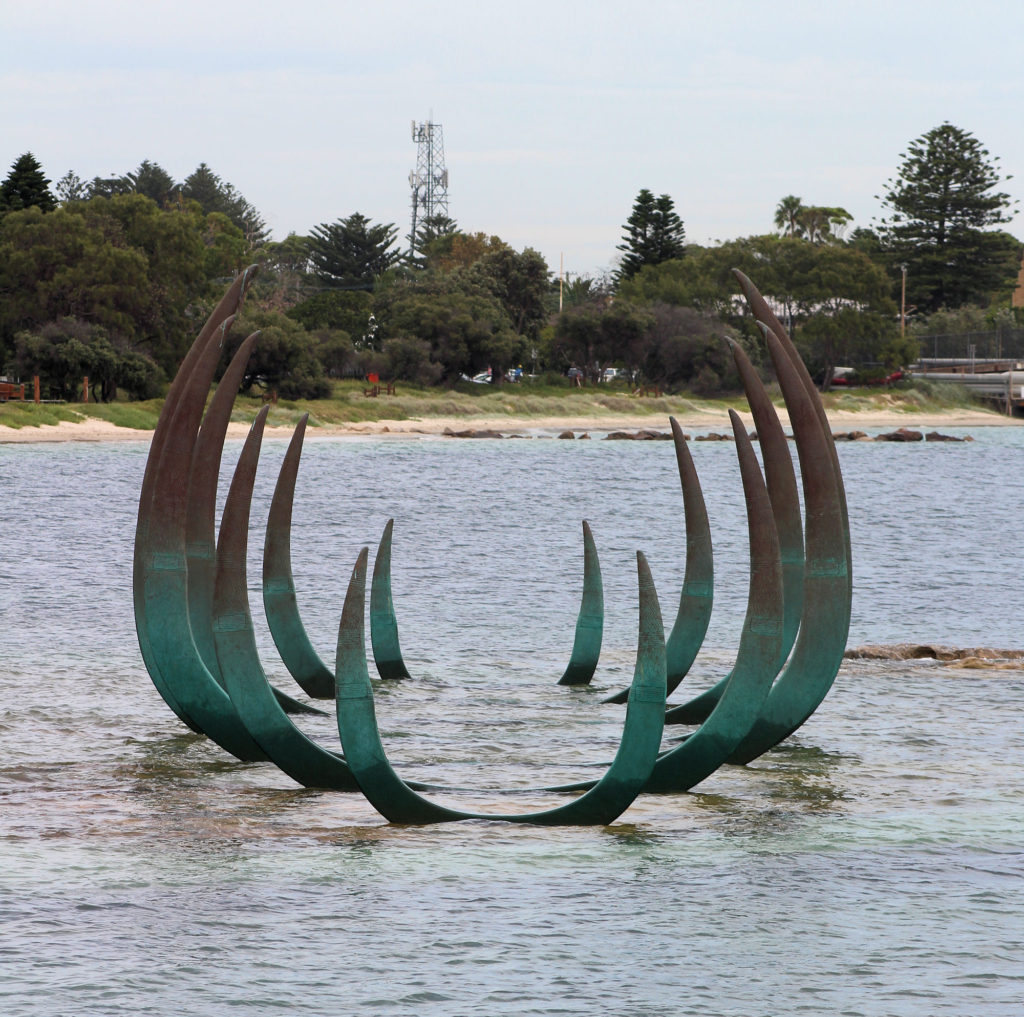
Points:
[(644, 435), (902, 434), (449, 433), (929, 651)]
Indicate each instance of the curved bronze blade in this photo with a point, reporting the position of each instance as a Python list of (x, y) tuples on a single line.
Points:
[(213, 331), (760, 651), (586, 645), (235, 644), (695, 600), (399, 803), (818, 653), (766, 317), (200, 519), (164, 577), (279, 602), (781, 481), (200, 527), (758, 659), (387, 651)]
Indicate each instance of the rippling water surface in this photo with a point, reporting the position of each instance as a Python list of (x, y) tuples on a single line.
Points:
[(871, 865)]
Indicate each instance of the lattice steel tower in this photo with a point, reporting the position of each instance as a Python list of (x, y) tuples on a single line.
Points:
[(429, 181)]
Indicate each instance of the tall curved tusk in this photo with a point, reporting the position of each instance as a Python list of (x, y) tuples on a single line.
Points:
[(387, 650), (696, 598), (766, 316), (279, 602), (818, 653), (160, 543), (200, 519), (214, 330), (780, 478), (246, 682), (758, 657), (586, 645), (200, 527), (400, 803)]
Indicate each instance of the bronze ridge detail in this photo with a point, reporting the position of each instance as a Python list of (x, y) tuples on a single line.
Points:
[(196, 634)]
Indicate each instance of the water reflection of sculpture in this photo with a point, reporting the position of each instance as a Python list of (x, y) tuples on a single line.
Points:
[(197, 640)]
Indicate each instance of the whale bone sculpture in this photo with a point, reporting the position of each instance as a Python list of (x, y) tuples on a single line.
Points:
[(195, 629)]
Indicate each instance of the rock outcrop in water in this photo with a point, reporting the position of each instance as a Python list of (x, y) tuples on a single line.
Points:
[(901, 434), (930, 651), (644, 435)]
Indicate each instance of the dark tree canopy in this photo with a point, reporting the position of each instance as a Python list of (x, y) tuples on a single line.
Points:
[(352, 253), (282, 360), (654, 233), (155, 183), (216, 195), (520, 282), (26, 186), (347, 310), (942, 207), (63, 352), (140, 273), (592, 337)]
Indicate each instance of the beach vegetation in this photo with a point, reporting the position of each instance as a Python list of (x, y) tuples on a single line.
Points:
[(118, 277)]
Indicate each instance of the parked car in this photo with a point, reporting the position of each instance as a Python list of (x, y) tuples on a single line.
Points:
[(849, 376)]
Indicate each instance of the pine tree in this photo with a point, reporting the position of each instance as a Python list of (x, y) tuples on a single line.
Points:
[(71, 187), (942, 206), (26, 186), (429, 229), (216, 195), (352, 252), (152, 180), (654, 233)]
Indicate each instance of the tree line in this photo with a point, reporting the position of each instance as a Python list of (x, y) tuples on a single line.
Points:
[(111, 279)]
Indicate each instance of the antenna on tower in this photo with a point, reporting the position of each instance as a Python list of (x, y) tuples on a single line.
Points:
[(429, 181)]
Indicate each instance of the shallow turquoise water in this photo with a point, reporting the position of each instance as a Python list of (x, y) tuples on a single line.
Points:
[(870, 866)]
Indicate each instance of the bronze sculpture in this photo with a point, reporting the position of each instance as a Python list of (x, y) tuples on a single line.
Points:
[(195, 628)]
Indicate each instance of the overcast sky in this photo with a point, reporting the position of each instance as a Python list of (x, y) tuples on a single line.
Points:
[(554, 113)]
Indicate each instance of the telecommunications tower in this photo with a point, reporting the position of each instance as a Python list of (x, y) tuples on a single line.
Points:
[(429, 181)]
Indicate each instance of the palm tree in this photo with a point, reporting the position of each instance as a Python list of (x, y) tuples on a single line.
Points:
[(787, 215)]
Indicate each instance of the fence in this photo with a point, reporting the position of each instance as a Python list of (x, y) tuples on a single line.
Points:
[(1001, 344)]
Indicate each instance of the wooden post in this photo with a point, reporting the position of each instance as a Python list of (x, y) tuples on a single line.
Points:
[(85, 389), (35, 387)]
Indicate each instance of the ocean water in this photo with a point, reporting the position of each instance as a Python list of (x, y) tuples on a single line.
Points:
[(870, 865)]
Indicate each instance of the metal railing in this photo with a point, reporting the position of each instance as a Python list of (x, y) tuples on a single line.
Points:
[(999, 344)]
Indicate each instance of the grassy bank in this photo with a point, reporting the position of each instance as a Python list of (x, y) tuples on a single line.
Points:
[(349, 405)]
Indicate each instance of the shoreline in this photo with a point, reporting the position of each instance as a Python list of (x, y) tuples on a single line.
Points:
[(95, 430)]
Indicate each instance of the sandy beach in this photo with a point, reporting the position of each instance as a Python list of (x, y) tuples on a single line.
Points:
[(93, 430)]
